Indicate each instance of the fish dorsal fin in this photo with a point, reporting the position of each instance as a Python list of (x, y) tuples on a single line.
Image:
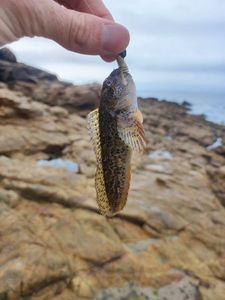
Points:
[(131, 130), (94, 132), (93, 129)]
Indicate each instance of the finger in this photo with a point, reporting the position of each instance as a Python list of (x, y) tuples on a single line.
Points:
[(95, 7), (80, 32), (109, 58)]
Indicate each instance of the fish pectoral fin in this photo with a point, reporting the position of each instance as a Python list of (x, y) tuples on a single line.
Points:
[(138, 115), (93, 129), (131, 131)]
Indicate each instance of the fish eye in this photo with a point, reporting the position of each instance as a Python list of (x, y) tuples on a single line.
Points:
[(108, 81)]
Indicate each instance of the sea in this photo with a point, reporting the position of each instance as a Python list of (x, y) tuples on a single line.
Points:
[(211, 105)]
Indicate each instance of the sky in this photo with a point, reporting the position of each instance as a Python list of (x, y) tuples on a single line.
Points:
[(177, 51)]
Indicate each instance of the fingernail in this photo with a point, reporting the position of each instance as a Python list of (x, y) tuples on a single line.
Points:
[(114, 38), (109, 58)]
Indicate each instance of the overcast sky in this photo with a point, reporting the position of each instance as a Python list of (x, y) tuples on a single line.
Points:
[(177, 46)]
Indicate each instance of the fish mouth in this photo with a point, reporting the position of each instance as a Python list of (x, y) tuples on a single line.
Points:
[(122, 65), (123, 69)]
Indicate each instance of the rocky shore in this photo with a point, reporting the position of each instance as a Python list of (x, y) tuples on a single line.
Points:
[(167, 244)]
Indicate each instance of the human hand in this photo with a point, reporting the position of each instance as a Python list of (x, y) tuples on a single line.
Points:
[(84, 26)]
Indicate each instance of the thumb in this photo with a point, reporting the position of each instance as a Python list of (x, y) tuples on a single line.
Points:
[(80, 32)]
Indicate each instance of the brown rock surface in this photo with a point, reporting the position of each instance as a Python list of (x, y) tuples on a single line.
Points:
[(34, 83), (7, 55), (167, 244)]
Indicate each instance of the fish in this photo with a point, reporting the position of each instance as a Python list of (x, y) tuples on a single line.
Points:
[(116, 130)]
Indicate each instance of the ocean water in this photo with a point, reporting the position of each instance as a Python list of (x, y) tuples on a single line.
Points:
[(211, 105)]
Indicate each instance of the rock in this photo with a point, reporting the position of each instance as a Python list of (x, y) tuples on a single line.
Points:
[(17, 104), (187, 105), (7, 55), (34, 83), (216, 292), (11, 71), (185, 289), (9, 197), (80, 99), (217, 178), (168, 242)]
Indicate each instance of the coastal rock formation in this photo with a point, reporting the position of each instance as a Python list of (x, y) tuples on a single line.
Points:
[(167, 244)]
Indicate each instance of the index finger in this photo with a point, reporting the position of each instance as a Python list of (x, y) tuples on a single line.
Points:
[(94, 7)]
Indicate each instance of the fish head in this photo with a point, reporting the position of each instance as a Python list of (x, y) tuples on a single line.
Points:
[(118, 90)]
